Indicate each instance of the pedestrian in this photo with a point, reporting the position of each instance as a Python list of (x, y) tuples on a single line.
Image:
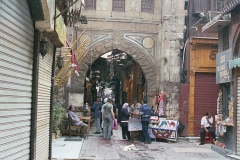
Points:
[(96, 108), (124, 122), (135, 109), (76, 121), (145, 113), (206, 126), (108, 117)]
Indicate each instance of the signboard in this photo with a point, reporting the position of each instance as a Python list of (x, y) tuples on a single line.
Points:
[(134, 124), (223, 73), (60, 28)]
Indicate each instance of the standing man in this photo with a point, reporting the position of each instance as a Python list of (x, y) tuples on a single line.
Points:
[(206, 126), (76, 121), (145, 113), (108, 117), (135, 108), (96, 108)]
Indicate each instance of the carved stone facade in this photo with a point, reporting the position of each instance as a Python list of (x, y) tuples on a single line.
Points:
[(154, 40)]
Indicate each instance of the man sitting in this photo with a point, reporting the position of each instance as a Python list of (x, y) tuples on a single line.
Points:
[(76, 121), (206, 126)]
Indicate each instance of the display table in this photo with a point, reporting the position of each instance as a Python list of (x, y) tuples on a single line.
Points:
[(161, 128)]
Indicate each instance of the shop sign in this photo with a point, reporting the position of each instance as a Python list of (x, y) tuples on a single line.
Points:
[(60, 28), (223, 73), (234, 63)]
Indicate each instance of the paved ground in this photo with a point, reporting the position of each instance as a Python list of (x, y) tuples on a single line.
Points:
[(62, 148), (95, 148)]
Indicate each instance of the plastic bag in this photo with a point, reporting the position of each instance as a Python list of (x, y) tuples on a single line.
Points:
[(115, 124)]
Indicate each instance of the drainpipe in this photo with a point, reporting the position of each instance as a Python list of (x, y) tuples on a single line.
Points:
[(52, 103), (34, 95)]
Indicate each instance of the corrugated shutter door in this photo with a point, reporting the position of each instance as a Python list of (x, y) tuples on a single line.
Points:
[(238, 115), (16, 61), (206, 93), (43, 104)]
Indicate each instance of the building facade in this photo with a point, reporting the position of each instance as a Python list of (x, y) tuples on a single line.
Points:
[(227, 119), (150, 32)]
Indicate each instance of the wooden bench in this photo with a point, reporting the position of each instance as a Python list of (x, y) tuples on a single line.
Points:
[(70, 127)]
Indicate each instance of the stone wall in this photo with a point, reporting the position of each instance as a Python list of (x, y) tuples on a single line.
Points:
[(155, 39)]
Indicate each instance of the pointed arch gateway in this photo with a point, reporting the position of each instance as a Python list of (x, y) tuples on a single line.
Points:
[(137, 52)]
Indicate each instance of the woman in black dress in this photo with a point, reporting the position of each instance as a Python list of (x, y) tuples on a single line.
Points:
[(124, 121)]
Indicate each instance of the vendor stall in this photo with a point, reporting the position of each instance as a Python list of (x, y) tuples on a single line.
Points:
[(161, 128)]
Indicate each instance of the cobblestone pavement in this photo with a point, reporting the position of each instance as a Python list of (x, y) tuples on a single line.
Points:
[(95, 148)]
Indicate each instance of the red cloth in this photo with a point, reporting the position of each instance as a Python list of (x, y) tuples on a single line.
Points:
[(74, 59)]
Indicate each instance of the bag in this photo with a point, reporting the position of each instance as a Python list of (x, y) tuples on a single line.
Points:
[(115, 124), (180, 127)]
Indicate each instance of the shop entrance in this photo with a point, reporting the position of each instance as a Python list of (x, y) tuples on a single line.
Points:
[(117, 75)]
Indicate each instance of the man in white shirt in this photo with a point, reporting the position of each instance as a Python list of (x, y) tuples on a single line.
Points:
[(135, 109), (206, 126)]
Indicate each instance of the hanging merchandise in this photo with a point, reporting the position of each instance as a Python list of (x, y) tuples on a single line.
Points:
[(161, 107)]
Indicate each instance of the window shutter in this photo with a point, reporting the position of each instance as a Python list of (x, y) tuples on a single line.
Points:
[(118, 5), (147, 6), (90, 5)]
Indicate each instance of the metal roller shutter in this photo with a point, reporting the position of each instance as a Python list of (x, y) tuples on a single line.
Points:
[(43, 104), (206, 93), (238, 116), (16, 62)]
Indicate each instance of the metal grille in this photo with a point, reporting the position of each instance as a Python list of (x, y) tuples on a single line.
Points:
[(238, 116), (118, 5), (218, 5), (147, 6), (16, 61), (225, 38), (201, 6), (90, 5)]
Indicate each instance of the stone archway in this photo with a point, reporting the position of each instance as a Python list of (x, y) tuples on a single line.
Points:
[(116, 41)]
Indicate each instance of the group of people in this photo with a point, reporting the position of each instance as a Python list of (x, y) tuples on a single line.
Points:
[(136, 110), (106, 114)]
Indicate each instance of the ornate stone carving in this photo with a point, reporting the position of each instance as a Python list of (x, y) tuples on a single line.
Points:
[(133, 5), (116, 41), (145, 41), (104, 4)]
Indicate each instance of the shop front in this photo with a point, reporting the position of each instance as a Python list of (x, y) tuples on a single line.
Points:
[(203, 90), (234, 65), (16, 63), (224, 116)]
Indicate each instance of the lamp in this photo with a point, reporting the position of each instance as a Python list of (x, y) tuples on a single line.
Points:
[(60, 61), (43, 46), (83, 19)]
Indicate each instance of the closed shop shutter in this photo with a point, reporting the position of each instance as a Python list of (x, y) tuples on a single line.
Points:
[(206, 93), (43, 104), (238, 116), (16, 63)]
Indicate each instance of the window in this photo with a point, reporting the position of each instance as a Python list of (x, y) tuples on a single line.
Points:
[(118, 5), (147, 6), (225, 38), (218, 5), (90, 5)]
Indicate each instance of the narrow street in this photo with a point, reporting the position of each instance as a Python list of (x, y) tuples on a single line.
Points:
[(95, 148), (162, 67)]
